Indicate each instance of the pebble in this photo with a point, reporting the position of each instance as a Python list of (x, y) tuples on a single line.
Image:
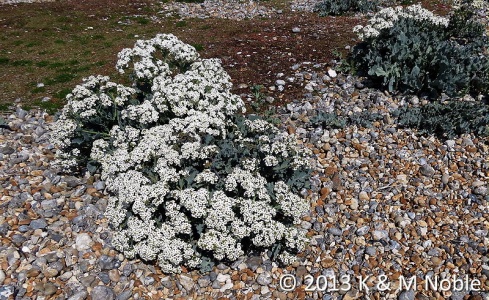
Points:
[(187, 282), (38, 224), (414, 194), (83, 241), (81, 295), (124, 295), (218, 9), (102, 293), (264, 278), (407, 295), (296, 30), (363, 230)]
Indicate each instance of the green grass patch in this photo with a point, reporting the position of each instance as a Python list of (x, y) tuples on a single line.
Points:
[(98, 37), (4, 106), (181, 24), (42, 64), (198, 47), (22, 63), (60, 78), (4, 60), (142, 20), (50, 106), (32, 44), (38, 90), (56, 65), (61, 94), (59, 42)]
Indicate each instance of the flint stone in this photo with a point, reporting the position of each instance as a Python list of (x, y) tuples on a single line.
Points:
[(83, 242), (187, 282), (102, 293), (264, 278), (38, 224), (81, 295), (124, 296), (406, 295)]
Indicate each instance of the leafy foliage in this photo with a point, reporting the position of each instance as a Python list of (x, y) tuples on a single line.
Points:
[(447, 120), (416, 55), (340, 7)]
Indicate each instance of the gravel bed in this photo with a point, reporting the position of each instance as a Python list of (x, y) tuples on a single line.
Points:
[(385, 201), (223, 9)]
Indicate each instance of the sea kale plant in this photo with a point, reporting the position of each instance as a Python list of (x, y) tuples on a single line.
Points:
[(340, 7), (446, 120), (412, 50), (191, 180)]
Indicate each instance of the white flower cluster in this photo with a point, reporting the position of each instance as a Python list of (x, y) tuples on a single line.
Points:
[(386, 18), (84, 105), (168, 202), (474, 4)]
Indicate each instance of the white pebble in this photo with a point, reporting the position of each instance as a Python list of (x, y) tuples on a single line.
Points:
[(83, 241)]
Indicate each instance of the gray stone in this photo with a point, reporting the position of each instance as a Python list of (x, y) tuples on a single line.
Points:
[(38, 224), (18, 239), (406, 295), (124, 296), (99, 185), (87, 280), (203, 282), (280, 82), (371, 251), (127, 270), (72, 181), (363, 230), (427, 170), (2, 276), (49, 289), (83, 241), (335, 231), (104, 277), (106, 262), (380, 234), (296, 30), (81, 295), (24, 228), (187, 282), (6, 291), (20, 113), (264, 278), (102, 293), (254, 262), (481, 190), (7, 150), (445, 178)]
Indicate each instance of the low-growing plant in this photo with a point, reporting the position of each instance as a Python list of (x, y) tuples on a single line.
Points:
[(447, 120), (340, 7), (412, 50), (191, 180)]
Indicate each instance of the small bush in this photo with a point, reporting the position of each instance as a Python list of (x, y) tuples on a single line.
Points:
[(191, 180), (412, 51), (340, 7), (446, 120)]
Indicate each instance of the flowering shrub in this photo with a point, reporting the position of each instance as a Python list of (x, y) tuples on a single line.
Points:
[(412, 50), (191, 180)]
